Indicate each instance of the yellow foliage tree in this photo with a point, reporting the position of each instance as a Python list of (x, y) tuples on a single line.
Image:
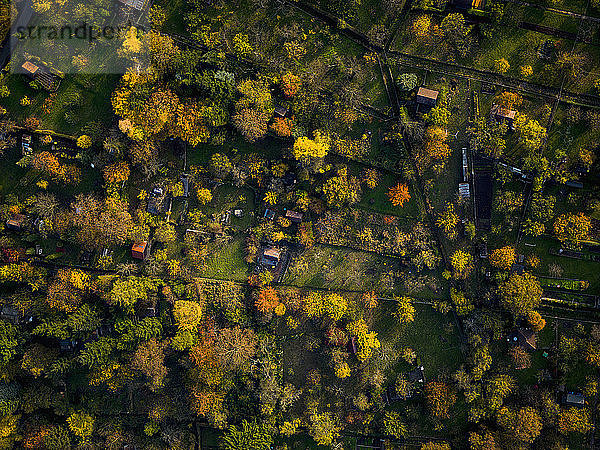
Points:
[(187, 314), (117, 172), (503, 258), (307, 150)]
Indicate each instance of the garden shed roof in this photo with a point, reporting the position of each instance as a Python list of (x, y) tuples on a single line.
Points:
[(425, 95)]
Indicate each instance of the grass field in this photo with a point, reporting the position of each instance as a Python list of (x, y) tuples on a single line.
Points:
[(517, 45), (228, 197), (432, 335), (90, 93), (376, 200), (340, 268), (226, 261)]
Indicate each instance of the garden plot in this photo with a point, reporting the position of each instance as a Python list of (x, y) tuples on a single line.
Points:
[(225, 260), (558, 266), (340, 268), (388, 235), (433, 336), (89, 95)]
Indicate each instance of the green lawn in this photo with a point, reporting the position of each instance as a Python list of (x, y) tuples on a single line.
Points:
[(89, 95), (376, 200), (432, 335), (228, 197), (339, 268), (226, 261)]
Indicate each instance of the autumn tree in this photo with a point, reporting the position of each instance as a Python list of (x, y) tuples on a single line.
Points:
[(405, 311), (462, 304), (371, 178), (526, 71), (421, 26), (323, 427), (488, 137), (574, 420), (334, 306), (520, 294), (248, 435), (433, 149), (407, 81), (520, 358), (483, 440), (84, 141), (456, 32), (447, 221), (282, 126), (38, 359), (535, 321), (572, 228), (251, 123), (531, 133), (509, 100), (524, 424), (190, 123), (503, 258), (311, 152), (342, 190), (81, 424), (204, 196), (501, 65), (369, 299), (366, 340), (160, 51), (187, 314), (149, 358), (267, 300), (398, 194), (219, 165), (290, 84), (394, 425), (235, 347), (439, 398), (435, 446), (101, 223), (462, 264), (116, 173)]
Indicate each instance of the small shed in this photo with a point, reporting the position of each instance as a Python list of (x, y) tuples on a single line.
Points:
[(504, 114), (281, 111), (185, 181), (294, 216), (26, 144), (140, 250), (67, 346), (523, 337), (271, 256), (16, 222), (30, 69), (573, 399), (427, 97), (14, 315), (574, 184)]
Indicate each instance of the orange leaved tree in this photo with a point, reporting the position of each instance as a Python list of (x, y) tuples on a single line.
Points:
[(398, 194), (267, 300)]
